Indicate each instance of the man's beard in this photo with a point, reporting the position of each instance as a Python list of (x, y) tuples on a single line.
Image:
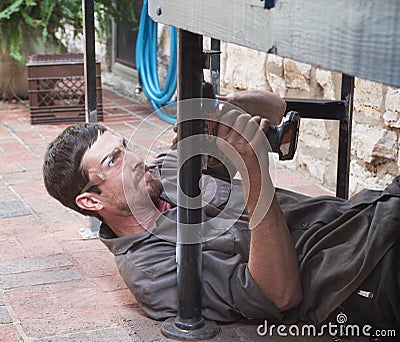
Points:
[(142, 197), (154, 188)]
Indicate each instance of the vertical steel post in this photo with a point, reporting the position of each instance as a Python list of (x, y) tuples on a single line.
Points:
[(344, 149), (89, 65), (190, 47), (215, 64), (89, 61), (189, 324)]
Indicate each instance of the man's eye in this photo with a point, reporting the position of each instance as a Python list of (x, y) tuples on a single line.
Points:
[(111, 162), (113, 158)]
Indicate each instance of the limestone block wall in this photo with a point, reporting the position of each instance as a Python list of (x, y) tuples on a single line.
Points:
[(375, 157)]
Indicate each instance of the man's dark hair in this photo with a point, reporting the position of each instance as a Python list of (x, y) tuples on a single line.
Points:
[(63, 177)]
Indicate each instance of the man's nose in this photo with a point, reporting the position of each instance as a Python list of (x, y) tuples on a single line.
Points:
[(133, 159)]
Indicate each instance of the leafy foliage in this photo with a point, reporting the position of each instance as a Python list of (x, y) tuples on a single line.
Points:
[(49, 16)]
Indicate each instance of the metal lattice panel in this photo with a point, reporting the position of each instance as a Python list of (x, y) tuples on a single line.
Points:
[(57, 89), (61, 92)]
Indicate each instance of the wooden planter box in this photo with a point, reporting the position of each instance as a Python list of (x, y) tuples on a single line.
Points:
[(56, 87)]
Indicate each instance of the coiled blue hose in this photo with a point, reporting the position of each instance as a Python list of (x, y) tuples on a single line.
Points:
[(147, 66)]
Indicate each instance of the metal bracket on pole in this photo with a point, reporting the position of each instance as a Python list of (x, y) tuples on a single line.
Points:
[(341, 110), (211, 61), (215, 65), (90, 90)]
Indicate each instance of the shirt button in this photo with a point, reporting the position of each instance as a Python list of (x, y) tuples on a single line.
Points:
[(305, 224)]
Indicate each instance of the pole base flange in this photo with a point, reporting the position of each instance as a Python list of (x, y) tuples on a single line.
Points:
[(207, 331)]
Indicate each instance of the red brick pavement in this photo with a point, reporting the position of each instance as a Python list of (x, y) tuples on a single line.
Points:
[(55, 286)]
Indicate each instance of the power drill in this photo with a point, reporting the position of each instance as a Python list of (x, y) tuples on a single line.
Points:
[(282, 138)]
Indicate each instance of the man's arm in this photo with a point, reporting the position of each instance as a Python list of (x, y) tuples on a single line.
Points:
[(272, 260), (254, 102), (258, 102)]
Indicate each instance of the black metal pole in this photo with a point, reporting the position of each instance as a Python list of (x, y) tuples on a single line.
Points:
[(189, 86), (215, 64), (189, 324), (344, 149), (89, 61), (89, 66)]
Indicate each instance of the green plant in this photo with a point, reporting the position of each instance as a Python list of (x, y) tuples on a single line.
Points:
[(42, 19)]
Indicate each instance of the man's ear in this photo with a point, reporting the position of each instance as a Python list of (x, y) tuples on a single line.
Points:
[(88, 201)]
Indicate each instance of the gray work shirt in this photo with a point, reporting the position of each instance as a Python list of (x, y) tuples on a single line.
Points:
[(338, 244)]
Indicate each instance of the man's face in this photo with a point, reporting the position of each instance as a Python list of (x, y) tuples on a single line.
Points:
[(127, 186)]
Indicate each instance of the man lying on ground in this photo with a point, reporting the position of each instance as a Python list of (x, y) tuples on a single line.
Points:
[(295, 259)]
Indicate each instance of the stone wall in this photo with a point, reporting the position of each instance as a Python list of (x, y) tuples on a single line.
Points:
[(376, 123), (375, 158)]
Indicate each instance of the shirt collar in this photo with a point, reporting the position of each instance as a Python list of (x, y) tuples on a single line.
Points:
[(164, 228), (120, 245)]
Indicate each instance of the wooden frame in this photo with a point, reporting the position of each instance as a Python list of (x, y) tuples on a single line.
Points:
[(359, 38)]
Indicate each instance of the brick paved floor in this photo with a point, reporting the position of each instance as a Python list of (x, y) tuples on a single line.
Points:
[(56, 286)]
